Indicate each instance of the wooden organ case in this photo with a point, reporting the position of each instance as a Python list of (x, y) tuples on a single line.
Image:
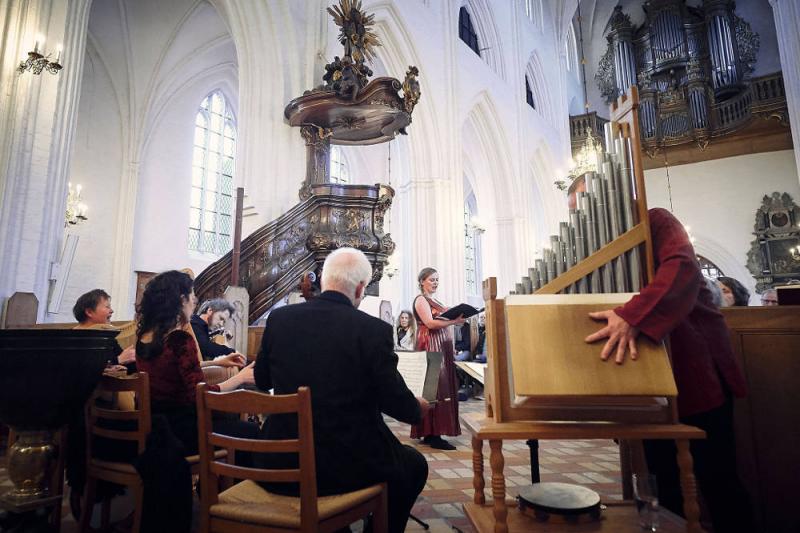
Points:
[(544, 382)]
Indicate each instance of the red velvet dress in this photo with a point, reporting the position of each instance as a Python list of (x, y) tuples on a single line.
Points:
[(442, 418), (678, 303)]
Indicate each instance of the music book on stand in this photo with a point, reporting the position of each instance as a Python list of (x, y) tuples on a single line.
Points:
[(420, 371)]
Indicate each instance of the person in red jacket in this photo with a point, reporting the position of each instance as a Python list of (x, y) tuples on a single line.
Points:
[(678, 304)]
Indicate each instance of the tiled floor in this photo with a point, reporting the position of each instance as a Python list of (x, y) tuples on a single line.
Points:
[(591, 463), (588, 462)]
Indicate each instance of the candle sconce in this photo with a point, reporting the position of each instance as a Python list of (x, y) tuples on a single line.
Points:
[(38, 61)]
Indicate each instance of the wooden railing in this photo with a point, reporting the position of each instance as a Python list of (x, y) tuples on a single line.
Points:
[(274, 258), (579, 126), (764, 96)]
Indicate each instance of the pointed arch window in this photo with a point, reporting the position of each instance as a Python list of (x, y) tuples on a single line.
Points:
[(212, 204), (709, 269), (466, 31), (472, 246), (340, 167), (529, 93)]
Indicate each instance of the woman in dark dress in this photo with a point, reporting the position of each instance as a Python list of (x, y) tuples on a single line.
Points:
[(169, 355), (433, 335)]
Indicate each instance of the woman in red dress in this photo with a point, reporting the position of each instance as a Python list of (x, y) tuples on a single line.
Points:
[(434, 335)]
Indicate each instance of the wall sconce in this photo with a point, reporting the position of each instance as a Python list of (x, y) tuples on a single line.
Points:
[(76, 209), (38, 60)]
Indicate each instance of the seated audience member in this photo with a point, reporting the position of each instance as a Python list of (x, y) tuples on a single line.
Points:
[(733, 292), (480, 347), (346, 358), (168, 353), (93, 310), (769, 297), (462, 342), (212, 317), (405, 333)]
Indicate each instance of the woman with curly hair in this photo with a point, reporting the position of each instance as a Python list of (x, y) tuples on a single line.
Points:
[(734, 294), (169, 355)]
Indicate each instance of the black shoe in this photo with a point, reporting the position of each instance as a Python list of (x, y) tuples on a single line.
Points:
[(438, 443)]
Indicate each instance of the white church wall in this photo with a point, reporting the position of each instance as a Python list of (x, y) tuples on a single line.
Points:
[(161, 62), (718, 201), (167, 61), (38, 117), (96, 165), (165, 183)]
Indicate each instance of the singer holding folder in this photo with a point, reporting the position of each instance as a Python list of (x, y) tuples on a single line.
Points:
[(434, 335)]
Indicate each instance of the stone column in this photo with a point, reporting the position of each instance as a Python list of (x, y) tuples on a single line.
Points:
[(38, 114), (787, 25)]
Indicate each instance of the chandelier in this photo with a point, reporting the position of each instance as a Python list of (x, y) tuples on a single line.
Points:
[(589, 156), (38, 60), (76, 209), (586, 159)]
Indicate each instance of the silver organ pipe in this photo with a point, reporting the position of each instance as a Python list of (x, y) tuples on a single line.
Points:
[(602, 213)]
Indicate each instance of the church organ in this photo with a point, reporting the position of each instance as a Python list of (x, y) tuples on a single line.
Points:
[(693, 67)]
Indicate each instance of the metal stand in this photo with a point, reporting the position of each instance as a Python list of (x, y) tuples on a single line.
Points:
[(534, 446), (424, 525)]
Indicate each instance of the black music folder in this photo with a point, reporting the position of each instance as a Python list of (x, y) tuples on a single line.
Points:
[(461, 309)]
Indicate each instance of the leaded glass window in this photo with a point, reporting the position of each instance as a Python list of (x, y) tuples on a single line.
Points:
[(529, 94), (470, 253), (466, 31), (212, 203), (340, 169), (709, 269)]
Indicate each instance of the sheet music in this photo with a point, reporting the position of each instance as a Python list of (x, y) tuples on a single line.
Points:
[(413, 366)]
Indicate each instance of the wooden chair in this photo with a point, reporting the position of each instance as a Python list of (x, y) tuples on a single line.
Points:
[(121, 473), (246, 506)]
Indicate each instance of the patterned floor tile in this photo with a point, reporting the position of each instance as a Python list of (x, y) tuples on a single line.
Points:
[(449, 486)]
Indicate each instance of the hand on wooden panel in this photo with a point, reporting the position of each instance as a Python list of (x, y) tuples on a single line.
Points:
[(621, 336)]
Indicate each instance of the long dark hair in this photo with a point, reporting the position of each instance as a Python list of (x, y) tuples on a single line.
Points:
[(741, 296), (161, 308)]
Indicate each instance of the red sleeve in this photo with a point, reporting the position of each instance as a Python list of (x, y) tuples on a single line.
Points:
[(185, 350), (672, 294)]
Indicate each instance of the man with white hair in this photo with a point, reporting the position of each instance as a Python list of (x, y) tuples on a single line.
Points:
[(346, 357)]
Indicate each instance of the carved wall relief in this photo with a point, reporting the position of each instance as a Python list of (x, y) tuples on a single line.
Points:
[(771, 259)]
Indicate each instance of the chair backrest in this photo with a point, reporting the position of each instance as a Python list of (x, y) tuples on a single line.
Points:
[(242, 401), (101, 413)]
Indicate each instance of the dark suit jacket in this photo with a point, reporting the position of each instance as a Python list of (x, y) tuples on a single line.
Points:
[(208, 348), (347, 359)]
